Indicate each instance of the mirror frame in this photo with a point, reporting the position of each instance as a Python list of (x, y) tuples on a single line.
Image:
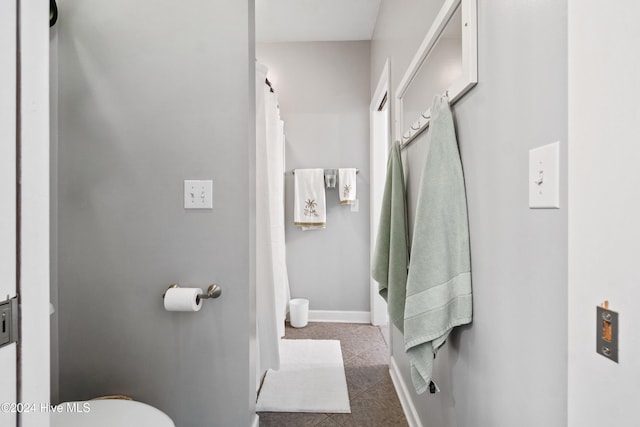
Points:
[(467, 80)]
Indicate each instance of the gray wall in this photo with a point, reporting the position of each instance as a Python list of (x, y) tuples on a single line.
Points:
[(510, 366), (150, 94), (323, 92)]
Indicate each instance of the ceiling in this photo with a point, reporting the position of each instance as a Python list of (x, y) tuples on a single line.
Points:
[(315, 20)]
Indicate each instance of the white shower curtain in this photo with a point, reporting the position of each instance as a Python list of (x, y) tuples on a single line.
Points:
[(272, 282)]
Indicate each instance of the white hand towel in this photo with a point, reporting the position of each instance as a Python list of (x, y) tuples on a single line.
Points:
[(309, 204), (347, 177)]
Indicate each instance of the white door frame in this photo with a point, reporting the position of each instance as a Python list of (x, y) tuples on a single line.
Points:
[(8, 223), (28, 151), (34, 209), (379, 315)]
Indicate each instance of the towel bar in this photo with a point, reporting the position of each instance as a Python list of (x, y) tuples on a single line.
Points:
[(293, 171)]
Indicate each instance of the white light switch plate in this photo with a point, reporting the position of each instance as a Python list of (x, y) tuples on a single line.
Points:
[(198, 194), (544, 171)]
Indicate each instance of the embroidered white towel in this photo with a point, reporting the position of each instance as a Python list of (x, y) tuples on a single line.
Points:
[(347, 177), (309, 204)]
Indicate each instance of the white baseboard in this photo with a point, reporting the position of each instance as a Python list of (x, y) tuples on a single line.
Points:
[(339, 316), (256, 421), (403, 394)]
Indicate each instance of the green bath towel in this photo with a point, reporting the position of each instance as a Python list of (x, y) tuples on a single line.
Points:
[(438, 293), (390, 259)]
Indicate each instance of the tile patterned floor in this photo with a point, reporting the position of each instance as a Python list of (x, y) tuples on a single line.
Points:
[(373, 399)]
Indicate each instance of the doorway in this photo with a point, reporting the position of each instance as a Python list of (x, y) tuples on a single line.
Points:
[(380, 117)]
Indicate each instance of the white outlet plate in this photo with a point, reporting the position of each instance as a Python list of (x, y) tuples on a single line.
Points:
[(198, 194), (544, 171)]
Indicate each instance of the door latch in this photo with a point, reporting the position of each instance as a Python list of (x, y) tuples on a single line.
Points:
[(8, 321), (607, 332)]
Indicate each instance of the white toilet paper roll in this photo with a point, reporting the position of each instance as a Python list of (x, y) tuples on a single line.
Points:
[(183, 299)]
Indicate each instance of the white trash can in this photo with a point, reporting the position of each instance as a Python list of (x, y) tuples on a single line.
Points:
[(299, 312)]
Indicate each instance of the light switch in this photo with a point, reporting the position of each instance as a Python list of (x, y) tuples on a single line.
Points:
[(198, 194), (544, 171)]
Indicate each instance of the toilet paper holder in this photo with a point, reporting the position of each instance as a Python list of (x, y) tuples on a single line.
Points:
[(213, 291)]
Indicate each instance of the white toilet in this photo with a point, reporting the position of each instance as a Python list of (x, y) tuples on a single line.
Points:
[(109, 413)]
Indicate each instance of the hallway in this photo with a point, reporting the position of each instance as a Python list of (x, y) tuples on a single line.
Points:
[(371, 393)]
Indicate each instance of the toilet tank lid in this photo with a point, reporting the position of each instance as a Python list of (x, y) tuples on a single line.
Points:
[(108, 413)]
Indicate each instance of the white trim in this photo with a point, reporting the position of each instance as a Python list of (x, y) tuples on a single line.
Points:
[(382, 86), (256, 421), (8, 353), (379, 315), (8, 21), (410, 412), (34, 212), (460, 87), (339, 316)]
